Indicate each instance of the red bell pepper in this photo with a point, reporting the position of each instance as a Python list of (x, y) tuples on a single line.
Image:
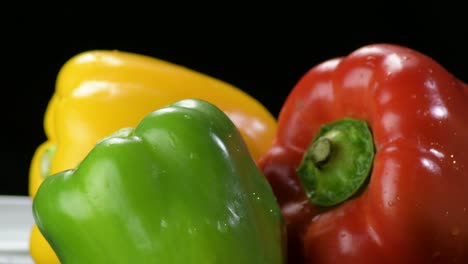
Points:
[(369, 164)]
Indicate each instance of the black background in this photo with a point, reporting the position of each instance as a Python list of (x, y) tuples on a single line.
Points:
[(261, 49)]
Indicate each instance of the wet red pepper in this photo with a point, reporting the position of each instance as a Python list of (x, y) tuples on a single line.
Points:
[(412, 204)]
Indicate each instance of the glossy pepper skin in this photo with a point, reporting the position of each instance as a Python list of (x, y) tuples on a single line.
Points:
[(414, 207), (100, 91), (179, 187)]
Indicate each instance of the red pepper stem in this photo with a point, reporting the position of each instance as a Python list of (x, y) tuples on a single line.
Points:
[(321, 151), (338, 162)]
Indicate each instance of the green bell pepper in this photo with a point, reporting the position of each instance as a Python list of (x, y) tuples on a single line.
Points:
[(180, 187)]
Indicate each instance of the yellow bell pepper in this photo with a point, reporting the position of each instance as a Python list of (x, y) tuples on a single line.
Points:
[(100, 91)]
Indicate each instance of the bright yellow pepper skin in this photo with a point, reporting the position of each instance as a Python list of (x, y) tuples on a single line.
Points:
[(100, 91)]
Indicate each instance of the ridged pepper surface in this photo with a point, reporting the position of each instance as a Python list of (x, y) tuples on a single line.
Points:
[(369, 163), (100, 91), (179, 187)]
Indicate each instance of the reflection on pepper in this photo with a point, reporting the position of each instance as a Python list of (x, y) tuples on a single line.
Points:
[(100, 91), (413, 207), (180, 186)]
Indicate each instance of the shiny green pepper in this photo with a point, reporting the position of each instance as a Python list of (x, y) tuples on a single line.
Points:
[(180, 187)]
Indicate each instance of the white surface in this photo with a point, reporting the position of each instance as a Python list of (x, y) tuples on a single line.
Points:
[(16, 221)]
